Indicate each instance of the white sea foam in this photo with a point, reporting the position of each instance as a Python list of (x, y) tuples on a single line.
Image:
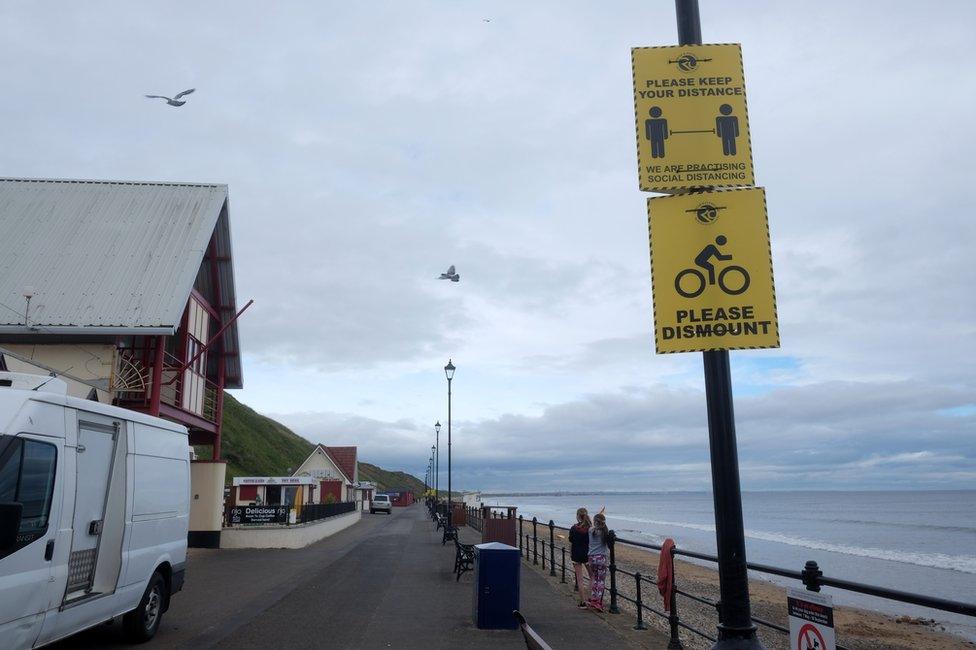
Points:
[(961, 563)]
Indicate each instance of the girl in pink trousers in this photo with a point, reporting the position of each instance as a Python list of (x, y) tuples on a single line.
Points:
[(599, 555)]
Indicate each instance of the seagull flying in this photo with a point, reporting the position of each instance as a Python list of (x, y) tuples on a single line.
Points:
[(450, 275), (175, 101)]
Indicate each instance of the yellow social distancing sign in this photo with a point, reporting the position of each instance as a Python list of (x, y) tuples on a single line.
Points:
[(712, 272), (691, 118)]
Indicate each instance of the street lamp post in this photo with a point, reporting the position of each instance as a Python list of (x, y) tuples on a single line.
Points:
[(449, 371), (437, 467)]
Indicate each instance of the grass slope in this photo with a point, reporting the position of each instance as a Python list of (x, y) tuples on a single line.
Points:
[(387, 480), (255, 445)]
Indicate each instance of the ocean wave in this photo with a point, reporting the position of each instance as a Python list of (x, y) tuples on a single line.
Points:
[(900, 524), (961, 563)]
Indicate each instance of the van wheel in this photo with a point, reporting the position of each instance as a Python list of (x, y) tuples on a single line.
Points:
[(142, 622)]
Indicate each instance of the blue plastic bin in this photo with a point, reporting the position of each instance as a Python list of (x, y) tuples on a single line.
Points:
[(496, 586)]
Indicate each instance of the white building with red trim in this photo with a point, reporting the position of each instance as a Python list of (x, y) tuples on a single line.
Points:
[(336, 471)]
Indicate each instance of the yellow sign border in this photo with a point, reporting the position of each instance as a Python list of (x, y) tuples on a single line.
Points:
[(677, 189), (772, 277)]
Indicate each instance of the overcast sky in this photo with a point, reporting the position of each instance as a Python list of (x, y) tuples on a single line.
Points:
[(367, 146)]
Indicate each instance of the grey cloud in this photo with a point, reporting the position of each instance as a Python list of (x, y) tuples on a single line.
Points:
[(658, 439), (366, 146)]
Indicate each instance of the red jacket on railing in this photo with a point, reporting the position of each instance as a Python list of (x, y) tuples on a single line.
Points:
[(665, 573)]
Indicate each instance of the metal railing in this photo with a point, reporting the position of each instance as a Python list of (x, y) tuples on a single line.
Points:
[(811, 577), (138, 387), (316, 511)]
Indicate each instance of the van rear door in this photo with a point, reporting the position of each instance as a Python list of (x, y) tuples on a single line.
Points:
[(96, 450), (29, 469)]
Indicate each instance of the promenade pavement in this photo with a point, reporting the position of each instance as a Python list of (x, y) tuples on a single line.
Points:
[(386, 582)]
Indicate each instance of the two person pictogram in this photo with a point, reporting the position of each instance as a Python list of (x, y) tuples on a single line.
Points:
[(732, 279), (656, 130)]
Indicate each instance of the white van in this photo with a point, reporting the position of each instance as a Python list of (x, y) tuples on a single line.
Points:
[(94, 508)]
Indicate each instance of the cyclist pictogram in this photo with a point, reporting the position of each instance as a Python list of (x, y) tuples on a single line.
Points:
[(732, 279)]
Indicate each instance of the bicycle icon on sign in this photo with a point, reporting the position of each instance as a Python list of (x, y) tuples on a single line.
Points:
[(733, 279)]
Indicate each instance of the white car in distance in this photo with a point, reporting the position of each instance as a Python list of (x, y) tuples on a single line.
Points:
[(381, 503)]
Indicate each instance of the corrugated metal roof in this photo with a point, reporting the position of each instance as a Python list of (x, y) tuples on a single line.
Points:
[(107, 254)]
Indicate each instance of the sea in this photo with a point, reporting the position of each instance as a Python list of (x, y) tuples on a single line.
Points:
[(922, 541)]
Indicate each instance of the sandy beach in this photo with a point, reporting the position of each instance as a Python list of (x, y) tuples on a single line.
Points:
[(856, 628)]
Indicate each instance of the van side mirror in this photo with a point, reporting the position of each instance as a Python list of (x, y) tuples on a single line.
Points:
[(10, 514)]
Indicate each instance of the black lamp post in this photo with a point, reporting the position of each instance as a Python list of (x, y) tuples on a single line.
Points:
[(433, 475), (449, 371), (437, 466)]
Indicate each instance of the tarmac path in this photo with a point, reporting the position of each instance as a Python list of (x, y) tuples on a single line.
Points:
[(385, 582)]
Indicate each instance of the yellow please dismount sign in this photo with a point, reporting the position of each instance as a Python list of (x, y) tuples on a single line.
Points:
[(712, 272)]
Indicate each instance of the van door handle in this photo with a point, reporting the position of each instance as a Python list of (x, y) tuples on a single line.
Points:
[(49, 550)]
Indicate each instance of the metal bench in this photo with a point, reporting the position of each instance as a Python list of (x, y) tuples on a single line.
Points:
[(450, 532), (463, 558), (532, 639), (440, 520)]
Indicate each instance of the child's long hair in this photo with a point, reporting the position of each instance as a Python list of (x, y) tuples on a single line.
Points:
[(583, 518), (600, 523)]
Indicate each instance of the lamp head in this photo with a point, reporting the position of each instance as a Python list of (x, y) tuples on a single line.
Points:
[(449, 370), (437, 427)]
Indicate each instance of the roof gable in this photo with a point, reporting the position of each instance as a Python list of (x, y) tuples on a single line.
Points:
[(344, 458)]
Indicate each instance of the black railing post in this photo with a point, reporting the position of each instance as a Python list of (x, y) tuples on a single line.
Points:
[(563, 578), (811, 576), (674, 643), (543, 553), (612, 537), (552, 549), (640, 605), (520, 531), (535, 541)]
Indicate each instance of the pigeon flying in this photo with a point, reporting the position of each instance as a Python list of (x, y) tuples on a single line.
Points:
[(175, 101), (450, 275)]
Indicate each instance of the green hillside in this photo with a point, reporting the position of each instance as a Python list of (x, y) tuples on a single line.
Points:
[(387, 480), (255, 445)]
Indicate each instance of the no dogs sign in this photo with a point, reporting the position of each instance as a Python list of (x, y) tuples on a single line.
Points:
[(811, 620)]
